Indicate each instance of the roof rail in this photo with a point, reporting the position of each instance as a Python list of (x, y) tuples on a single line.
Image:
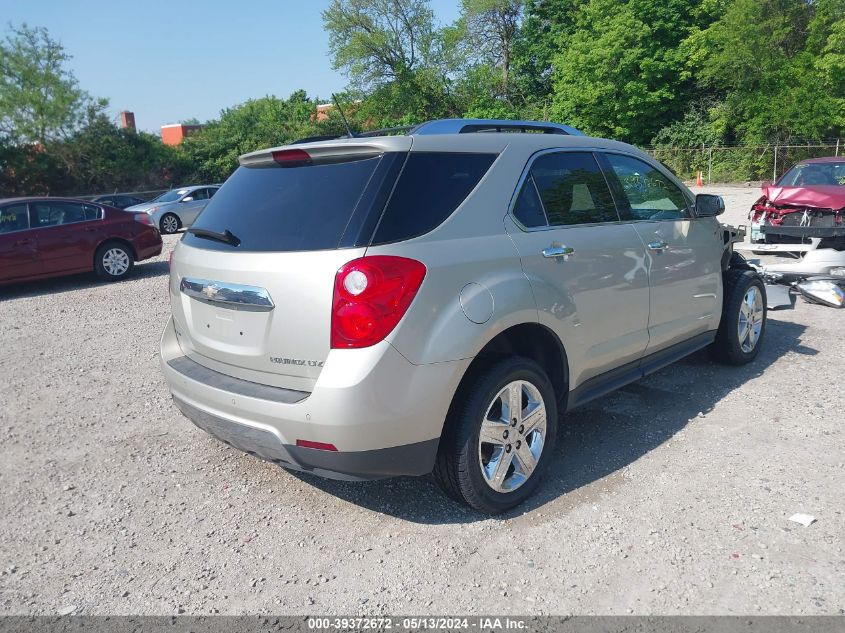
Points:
[(459, 126), (467, 126)]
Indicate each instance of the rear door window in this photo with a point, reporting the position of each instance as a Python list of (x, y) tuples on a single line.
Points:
[(565, 189), (56, 213), (431, 187), (14, 218)]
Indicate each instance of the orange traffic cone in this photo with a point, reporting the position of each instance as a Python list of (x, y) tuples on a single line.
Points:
[(699, 181)]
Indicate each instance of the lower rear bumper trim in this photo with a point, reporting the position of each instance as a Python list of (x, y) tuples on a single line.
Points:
[(408, 459)]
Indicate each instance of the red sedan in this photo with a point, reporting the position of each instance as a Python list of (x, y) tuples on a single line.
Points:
[(50, 237), (811, 194)]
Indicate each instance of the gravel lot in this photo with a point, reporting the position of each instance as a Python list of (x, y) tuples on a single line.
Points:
[(669, 497)]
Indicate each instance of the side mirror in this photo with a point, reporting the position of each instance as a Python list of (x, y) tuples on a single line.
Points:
[(188, 199), (707, 205)]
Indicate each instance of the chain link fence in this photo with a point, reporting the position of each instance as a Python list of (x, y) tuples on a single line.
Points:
[(742, 163)]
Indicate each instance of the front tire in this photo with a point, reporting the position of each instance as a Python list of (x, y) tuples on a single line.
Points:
[(499, 437), (743, 323), (169, 224), (113, 261)]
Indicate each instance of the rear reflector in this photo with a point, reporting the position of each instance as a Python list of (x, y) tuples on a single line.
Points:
[(291, 157), (320, 446)]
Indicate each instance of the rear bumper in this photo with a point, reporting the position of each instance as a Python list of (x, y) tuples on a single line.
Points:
[(147, 244), (382, 413), (410, 459)]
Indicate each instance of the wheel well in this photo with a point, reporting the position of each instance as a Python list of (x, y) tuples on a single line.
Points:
[(115, 240), (533, 341)]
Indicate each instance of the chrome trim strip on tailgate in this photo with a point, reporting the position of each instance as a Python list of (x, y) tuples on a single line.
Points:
[(193, 370), (235, 295)]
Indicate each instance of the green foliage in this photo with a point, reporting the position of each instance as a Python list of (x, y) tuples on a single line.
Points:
[(490, 29), (102, 157), (547, 26), (378, 41), (779, 65), (250, 126), (39, 97), (619, 74), (674, 73)]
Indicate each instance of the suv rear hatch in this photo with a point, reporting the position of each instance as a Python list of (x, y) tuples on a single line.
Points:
[(251, 283)]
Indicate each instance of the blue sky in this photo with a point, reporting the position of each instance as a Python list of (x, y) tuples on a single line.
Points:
[(170, 61)]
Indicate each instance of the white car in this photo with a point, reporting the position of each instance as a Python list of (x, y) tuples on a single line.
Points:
[(177, 208)]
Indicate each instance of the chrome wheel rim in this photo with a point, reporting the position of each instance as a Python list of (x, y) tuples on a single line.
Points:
[(170, 224), (512, 437), (750, 319), (115, 261)]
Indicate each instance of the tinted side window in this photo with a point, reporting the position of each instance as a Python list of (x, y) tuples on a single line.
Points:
[(572, 189), (14, 218), (211, 192), (649, 195), (431, 187), (56, 213), (91, 212), (528, 208), (199, 194)]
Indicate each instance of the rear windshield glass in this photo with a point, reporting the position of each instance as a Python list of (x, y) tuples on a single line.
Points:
[(285, 208), (431, 187)]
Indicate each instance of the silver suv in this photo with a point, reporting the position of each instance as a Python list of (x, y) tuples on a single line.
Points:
[(375, 306)]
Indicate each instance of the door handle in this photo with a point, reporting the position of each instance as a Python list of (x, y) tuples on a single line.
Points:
[(658, 245), (25, 242), (558, 251)]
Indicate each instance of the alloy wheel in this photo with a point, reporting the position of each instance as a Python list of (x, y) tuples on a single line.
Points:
[(512, 436), (750, 319), (169, 224)]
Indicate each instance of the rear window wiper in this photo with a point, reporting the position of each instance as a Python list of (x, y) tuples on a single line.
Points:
[(227, 237)]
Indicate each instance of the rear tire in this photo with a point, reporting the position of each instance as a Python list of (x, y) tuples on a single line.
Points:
[(743, 323), (492, 455), (113, 261), (169, 224)]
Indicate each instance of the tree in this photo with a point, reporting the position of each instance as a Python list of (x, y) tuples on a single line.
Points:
[(492, 27), (780, 66), (547, 26), (620, 73), (40, 99), (379, 41), (253, 125)]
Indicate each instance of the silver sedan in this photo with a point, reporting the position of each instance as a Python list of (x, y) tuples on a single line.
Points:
[(177, 208)]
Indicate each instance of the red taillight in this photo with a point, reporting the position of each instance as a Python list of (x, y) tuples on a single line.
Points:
[(371, 295), (291, 157), (320, 446), (143, 218)]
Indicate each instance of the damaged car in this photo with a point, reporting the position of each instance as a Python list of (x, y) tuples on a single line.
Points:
[(810, 195)]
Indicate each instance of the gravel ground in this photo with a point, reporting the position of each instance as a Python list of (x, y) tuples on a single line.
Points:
[(669, 497)]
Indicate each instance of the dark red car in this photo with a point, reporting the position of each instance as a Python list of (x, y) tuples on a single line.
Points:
[(49, 237)]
